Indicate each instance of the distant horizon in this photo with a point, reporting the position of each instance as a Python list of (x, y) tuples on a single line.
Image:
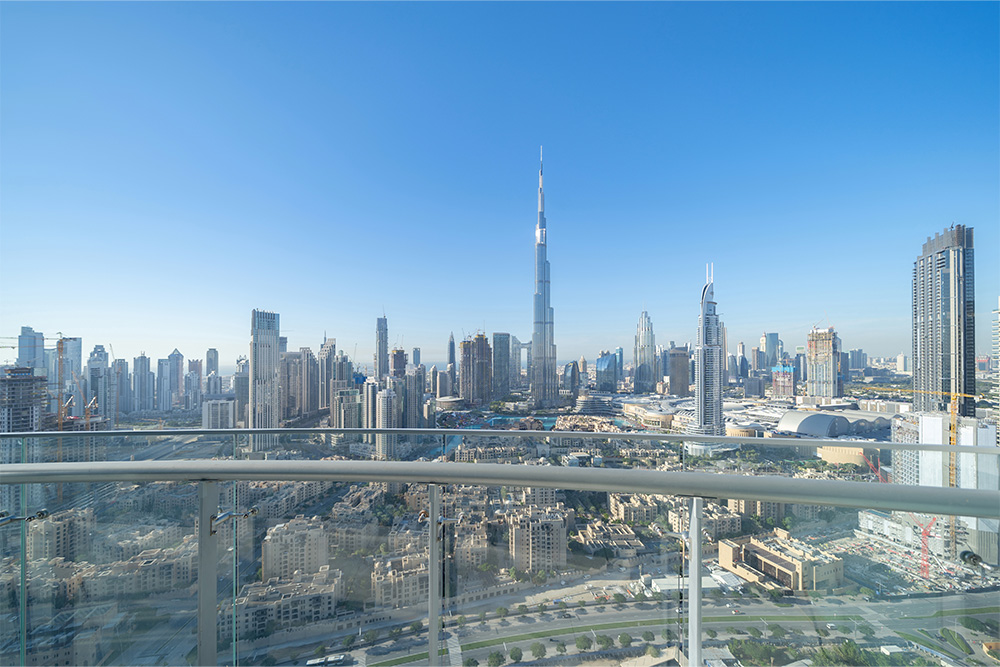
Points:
[(168, 167)]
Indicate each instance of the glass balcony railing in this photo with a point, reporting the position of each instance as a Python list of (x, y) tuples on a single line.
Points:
[(294, 547)]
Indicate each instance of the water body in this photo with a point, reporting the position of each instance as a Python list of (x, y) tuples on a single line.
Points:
[(547, 422)]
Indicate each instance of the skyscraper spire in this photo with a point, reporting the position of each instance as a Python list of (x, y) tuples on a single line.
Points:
[(544, 391)]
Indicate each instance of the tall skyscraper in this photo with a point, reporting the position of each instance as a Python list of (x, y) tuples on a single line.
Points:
[(381, 348), (176, 360), (477, 370), (397, 363), (620, 360), (30, 348), (413, 400), (606, 372), (769, 346), (544, 390), (501, 366), (679, 371), (823, 369), (122, 389), (644, 376), (415, 357), (452, 367), (944, 318), (143, 384), (709, 368), (100, 385), (387, 412), (211, 361), (241, 387), (164, 395), (326, 357), (264, 364)]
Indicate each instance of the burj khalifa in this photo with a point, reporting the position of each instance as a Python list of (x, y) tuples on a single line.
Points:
[(544, 390)]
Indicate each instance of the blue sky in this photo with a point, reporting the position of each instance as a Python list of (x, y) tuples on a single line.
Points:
[(167, 167)]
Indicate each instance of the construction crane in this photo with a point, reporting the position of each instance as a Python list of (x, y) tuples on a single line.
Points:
[(952, 455)]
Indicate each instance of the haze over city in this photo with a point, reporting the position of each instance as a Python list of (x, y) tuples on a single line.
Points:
[(168, 168)]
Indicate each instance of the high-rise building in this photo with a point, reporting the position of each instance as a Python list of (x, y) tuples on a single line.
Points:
[(826, 378), (387, 416), (309, 391), (537, 539), (327, 352), (211, 361), (783, 381), (30, 348), (264, 406), (679, 371), (769, 346), (858, 360), (944, 318), (606, 368), (544, 391), (369, 405), (143, 384), (477, 370), (413, 400), (290, 385), (582, 365), (381, 348), (164, 395), (123, 387), (501, 366), (192, 385), (571, 377), (452, 367), (645, 373), (397, 363), (176, 360), (241, 387), (22, 401), (100, 385), (415, 356), (709, 370), (620, 359)]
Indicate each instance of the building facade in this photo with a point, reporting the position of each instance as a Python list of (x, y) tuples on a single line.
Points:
[(944, 318), (645, 372), (544, 390)]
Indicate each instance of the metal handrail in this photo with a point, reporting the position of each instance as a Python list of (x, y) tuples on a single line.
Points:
[(864, 495), (580, 435)]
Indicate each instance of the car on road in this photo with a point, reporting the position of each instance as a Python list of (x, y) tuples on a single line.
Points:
[(737, 611)]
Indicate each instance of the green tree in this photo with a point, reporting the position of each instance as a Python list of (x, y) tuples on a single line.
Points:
[(625, 640), (347, 642), (640, 597), (583, 643), (562, 604), (502, 612), (522, 610), (515, 654), (462, 620), (755, 633), (541, 607), (416, 626), (482, 617), (395, 632), (320, 650), (561, 647), (652, 651), (582, 604), (470, 662), (370, 636), (776, 594), (604, 642), (618, 598), (538, 650), (495, 659), (712, 634), (667, 634), (647, 636)]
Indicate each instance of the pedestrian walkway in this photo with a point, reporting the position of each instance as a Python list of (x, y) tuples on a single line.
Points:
[(454, 651)]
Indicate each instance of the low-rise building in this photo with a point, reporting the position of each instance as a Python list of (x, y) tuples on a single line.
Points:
[(265, 607), (778, 561), (400, 580)]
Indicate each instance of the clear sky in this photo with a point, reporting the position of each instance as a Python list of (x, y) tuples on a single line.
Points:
[(167, 167)]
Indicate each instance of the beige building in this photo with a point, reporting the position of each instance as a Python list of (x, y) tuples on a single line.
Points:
[(64, 534), (759, 508), (400, 581), (537, 539), (632, 508), (716, 520), (300, 545), (778, 561), (620, 540), (268, 607)]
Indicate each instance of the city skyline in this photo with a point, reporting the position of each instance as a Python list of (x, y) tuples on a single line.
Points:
[(818, 182)]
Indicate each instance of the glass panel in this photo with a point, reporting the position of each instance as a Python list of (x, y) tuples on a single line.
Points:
[(112, 572)]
